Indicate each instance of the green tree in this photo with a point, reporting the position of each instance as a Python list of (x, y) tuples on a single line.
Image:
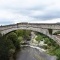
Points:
[(27, 34), (14, 38), (19, 32), (20, 39), (39, 38), (24, 33), (5, 46)]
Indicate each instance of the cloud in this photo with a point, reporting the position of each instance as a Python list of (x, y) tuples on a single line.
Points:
[(46, 15), (13, 11)]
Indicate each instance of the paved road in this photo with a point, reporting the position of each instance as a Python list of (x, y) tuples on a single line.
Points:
[(28, 53)]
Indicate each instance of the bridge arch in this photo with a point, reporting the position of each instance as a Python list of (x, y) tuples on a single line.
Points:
[(42, 28), (43, 31)]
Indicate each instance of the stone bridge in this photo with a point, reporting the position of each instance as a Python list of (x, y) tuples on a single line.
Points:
[(46, 28)]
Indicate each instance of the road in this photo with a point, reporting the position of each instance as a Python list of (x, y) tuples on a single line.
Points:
[(29, 53)]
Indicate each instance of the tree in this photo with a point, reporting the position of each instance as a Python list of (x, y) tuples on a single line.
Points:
[(5, 46), (24, 33), (14, 38), (20, 39), (19, 32), (39, 38)]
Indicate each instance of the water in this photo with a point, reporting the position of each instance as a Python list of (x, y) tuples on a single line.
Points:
[(29, 53)]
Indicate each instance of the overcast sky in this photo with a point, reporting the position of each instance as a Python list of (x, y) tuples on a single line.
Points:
[(37, 11)]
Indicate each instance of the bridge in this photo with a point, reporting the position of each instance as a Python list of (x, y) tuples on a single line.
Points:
[(46, 28)]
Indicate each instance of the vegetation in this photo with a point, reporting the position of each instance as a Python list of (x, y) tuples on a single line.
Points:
[(7, 48), (52, 47), (10, 43), (14, 38), (23, 33), (39, 38)]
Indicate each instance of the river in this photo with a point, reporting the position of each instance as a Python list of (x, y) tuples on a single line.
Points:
[(29, 53)]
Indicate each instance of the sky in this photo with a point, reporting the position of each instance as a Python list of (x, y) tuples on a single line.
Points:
[(31, 11)]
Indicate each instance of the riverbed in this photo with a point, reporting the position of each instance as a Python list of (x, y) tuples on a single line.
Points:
[(29, 53)]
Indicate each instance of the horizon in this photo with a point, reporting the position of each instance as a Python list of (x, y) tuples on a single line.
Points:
[(29, 23)]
